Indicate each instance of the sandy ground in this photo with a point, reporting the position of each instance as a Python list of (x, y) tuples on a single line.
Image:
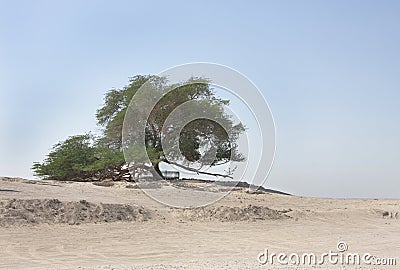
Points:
[(52, 225)]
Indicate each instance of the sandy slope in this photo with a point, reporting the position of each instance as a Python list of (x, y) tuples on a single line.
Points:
[(226, 235)]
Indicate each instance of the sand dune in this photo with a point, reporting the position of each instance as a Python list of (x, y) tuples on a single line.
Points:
[(54, 225)]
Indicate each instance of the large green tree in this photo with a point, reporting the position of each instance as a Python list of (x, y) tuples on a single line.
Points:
[(201, 142), (86, 157)]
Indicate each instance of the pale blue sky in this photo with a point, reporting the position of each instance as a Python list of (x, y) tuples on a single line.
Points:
[(329, 70)]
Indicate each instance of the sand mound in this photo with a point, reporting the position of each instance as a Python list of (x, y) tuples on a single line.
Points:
[(226, 214), (53, 211)]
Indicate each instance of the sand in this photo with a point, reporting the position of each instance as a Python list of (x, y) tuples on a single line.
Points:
[(54, 225)]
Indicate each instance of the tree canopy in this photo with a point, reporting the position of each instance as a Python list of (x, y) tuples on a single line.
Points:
[(201, 141), (81, 157)]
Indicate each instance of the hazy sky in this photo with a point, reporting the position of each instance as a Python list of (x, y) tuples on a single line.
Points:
[(330, 71)]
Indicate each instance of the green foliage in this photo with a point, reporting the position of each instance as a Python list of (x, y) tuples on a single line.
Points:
[(67, 159), (111, 114), (78, 158), (86, 157), (193, 137)]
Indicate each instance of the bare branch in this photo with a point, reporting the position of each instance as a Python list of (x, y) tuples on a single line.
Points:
[(197, 171)]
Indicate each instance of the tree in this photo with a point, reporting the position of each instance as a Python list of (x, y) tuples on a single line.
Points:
[(81, 158), (206, 141), (67, 159), (201, 142)]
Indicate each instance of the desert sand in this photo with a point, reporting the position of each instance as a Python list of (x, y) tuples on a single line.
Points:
[(65, 225)]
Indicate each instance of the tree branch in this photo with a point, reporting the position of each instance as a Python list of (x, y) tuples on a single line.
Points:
[(197, 171)]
